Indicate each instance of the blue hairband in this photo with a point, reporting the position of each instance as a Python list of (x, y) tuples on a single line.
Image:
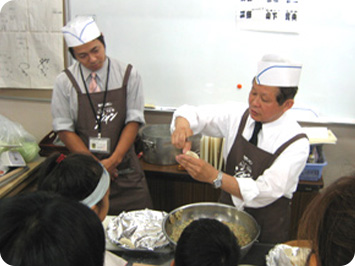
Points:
[(99, 191)]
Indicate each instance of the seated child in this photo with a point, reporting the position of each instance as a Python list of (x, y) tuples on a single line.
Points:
[(207, 242), (79, 177), (328, 223), (41, 228)]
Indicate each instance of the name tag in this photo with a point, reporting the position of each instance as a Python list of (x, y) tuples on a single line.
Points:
[(99, 145)]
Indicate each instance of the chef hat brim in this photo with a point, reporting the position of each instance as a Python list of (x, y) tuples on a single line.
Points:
[(276, 71)]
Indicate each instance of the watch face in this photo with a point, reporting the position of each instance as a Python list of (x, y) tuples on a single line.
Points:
[(217, 183)]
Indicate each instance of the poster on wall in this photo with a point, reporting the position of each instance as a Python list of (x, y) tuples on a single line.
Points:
[(31, 42), (268, 15)]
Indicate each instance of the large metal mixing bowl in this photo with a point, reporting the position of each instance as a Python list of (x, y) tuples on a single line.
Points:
[(221, 212)]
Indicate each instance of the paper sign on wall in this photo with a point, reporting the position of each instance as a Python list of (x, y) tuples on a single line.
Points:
[(268, 15)]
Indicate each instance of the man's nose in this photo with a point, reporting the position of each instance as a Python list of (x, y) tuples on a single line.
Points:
[(92, 57), (255, 101)]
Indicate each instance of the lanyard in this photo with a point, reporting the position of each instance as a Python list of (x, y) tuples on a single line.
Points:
[(98, 119)]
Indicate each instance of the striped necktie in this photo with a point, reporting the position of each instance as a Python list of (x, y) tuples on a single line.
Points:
[(93, 87)]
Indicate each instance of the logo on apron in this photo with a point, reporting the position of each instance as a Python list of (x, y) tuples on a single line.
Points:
[(109, 113), (244, 168)]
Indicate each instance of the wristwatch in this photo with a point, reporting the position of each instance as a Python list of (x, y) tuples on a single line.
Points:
[(217, 183)]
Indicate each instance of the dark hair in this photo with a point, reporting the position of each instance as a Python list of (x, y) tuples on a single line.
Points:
[(329, 223), (44, 229), (100, 38), (286, 93), (74, 177), (207, 242)]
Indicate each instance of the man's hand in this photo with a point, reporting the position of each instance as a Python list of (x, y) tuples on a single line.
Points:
[(179, 138), (198, 169), (111, 167)]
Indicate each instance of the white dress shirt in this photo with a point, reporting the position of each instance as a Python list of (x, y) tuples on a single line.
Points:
[(281, 178)]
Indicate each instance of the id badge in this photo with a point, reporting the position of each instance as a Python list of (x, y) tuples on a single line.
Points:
[(99, 145)]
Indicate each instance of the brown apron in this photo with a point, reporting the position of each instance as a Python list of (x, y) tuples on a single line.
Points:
[(248, 161), (129, 191)]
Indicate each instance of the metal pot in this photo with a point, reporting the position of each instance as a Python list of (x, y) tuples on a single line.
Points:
[(157, 147), (183, 215)]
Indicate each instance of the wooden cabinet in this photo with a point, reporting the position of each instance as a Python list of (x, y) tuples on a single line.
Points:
[(169, 192), (306, 191), (171, 188)]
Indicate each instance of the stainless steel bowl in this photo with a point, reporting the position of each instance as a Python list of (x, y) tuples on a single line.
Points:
[(221, 212)]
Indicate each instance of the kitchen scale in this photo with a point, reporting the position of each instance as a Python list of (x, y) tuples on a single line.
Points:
[(12, 159)]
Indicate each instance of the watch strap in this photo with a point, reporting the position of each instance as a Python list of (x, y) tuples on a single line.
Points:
[(217, 183)]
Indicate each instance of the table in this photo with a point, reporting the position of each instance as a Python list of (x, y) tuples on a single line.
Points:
[(171, 188), (19, 180), (255, 256)]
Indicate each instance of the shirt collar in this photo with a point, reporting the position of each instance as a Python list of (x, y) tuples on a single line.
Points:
[(101, 73), (278, 121)]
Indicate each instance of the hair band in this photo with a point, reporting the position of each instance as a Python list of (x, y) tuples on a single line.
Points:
[(100, 190), (60, 158)]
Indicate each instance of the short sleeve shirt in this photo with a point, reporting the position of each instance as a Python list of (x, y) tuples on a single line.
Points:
[(64, 105)]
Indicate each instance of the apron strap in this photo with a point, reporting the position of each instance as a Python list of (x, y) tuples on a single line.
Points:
[(289, 142), (243, 122), (284, 146), (126, 75), (73, 80)]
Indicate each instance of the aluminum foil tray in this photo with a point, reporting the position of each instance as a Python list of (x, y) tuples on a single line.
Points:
[(285, 255), (139, 230)]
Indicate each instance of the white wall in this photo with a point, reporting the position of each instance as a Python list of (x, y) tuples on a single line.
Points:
[(35, 117), (191, 51)]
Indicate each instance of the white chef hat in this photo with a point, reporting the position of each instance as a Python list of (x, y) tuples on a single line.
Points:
[(80, 30), (273, 70)]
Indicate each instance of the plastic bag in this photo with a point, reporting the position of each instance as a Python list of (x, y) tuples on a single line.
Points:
[(14, 137), (285, 255)]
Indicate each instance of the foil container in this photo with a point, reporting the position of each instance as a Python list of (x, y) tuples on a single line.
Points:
[(285, 255), (138, 230)]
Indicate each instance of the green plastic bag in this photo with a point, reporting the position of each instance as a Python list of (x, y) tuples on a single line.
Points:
[(14, 137)]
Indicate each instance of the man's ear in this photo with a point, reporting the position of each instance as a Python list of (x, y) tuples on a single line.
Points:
[(96, 209), (288, 104), (172, 263)]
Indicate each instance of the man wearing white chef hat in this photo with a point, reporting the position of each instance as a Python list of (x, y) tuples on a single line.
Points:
[(265, 149), (276, 71), (97, 108)]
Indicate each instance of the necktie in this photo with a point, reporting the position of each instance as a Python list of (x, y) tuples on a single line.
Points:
[(93, 87), (254, 137)]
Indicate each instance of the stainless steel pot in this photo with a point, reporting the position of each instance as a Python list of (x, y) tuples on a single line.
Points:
[(157, 147), (183, 215)]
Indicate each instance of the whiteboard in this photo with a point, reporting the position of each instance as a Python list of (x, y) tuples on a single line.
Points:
[(193, 52), (31, 42)]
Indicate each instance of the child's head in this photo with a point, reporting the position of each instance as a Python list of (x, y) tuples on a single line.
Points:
[(79, 177), (207, 242), (42, 228), (329, 222)]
